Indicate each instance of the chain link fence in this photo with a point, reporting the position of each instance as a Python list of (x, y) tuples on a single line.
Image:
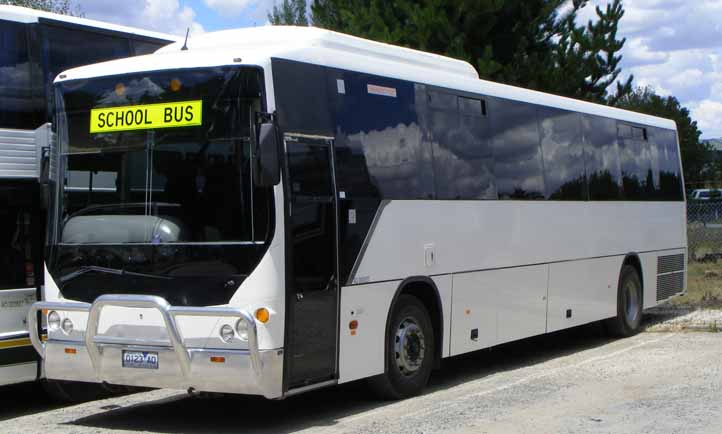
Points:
[(704, 231)]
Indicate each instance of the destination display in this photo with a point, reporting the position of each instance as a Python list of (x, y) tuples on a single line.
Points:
[(146, 117)]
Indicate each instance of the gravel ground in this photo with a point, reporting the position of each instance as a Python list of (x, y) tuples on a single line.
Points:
[(576, 381), (676, 318)]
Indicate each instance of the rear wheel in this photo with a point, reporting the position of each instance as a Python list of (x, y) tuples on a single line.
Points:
[(410, 349), (628, 321)]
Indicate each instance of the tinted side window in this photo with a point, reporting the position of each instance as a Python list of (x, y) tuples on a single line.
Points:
[(670, 172), (563, 150), (459, 136), (64, 48), (640, 170), (517, 154), (602, 158), (17, 108), (146, 47), (380, 147), (301, 99)]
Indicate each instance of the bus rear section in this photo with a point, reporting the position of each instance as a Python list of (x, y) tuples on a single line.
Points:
[(165, 271)]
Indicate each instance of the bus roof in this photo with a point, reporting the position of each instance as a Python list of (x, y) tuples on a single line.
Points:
[(27, 15), (324, 47)]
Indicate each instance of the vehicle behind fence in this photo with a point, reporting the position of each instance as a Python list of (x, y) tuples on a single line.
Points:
[(704, 230)]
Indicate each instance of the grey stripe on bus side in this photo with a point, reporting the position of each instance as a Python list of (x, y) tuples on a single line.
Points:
[(367, 240)]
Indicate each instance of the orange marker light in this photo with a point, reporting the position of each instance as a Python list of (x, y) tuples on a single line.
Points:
[(71, 351), (218, 359), (263, 315), (175, 85), (353, 325)]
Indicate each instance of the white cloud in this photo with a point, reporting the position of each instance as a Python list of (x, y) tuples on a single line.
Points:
[(167, 16), (232, 8), (708, 115), (675, 46)]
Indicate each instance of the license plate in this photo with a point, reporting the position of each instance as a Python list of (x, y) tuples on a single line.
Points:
[(140, 359)]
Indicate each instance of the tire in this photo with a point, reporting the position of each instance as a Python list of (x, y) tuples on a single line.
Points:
[(628, 321), (410, 351)]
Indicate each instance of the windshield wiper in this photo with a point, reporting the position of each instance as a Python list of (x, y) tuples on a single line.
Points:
[(89, 268)]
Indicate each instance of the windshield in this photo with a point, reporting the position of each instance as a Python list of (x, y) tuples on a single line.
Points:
[(154, 190), (184, 179)]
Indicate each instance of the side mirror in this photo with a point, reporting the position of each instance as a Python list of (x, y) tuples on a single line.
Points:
[(267, 171)]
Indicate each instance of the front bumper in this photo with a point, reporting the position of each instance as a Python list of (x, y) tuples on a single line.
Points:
[(98, 358)]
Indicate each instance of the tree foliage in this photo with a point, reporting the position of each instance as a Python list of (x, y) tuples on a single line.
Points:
[(64, 7), (531, 43), (290, 12), (697, 157)]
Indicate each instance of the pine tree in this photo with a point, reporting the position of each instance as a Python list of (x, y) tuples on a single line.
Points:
[(529, 43), (64, 7), (698, 159), (290, 13)]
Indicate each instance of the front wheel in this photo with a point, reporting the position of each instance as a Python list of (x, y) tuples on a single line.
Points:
[(410, 349), (628, 321)]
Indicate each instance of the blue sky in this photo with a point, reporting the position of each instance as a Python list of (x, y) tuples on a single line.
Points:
[(674, 46)]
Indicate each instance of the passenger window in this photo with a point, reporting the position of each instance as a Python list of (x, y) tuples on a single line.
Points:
[(602, 162), (640, 165), (463, 164), (670, 172), (380, 147), (517, 154), (17, 109), (563, 151)]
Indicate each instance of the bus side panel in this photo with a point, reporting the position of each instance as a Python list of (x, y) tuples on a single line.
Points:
[(581, 292), (497, 306), (361, 351)]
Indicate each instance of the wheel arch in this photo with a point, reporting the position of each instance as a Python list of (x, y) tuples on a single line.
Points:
[(423, 288)]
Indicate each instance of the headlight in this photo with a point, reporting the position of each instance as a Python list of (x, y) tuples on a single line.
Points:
[(226, 333), (242, 329), (67, 326), (53, 320)]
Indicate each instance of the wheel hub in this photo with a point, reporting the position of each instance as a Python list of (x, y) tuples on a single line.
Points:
[(631, 297), (410, 347)]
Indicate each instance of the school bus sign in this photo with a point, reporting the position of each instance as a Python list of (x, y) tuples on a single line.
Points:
[(146, 117)]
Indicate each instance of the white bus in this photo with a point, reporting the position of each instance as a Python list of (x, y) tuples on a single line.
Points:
[(34, 47), (294, 208)]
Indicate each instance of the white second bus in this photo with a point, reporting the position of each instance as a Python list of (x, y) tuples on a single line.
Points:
[(278, 209)]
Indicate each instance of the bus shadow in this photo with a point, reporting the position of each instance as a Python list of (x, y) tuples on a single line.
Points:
[(225, 414), (26, 398)]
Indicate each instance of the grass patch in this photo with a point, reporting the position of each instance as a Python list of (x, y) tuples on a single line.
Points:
[(704, 286)]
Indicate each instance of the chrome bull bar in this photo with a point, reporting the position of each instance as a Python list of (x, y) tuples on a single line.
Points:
[(168, 313)]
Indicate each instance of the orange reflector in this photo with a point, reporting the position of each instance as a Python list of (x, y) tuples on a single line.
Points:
[(45, 312), (353, 332), (353, 325), (218, 359), (71, 351), (263, 315), (175, 85)]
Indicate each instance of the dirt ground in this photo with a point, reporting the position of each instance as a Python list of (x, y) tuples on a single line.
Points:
[(577, 381)]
